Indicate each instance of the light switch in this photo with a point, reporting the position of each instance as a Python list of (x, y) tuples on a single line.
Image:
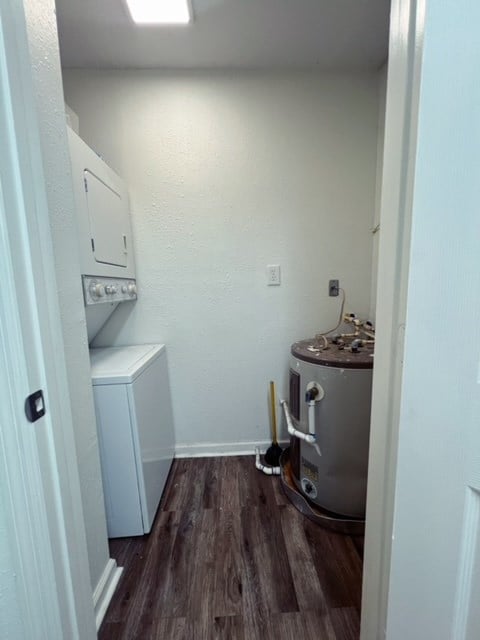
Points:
[(273, 274)]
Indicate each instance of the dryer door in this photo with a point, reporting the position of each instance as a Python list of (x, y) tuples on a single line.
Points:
[(108, 214)]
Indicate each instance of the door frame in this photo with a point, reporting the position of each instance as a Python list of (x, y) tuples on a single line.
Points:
[(40, 485), (403, 92), (41, 492)]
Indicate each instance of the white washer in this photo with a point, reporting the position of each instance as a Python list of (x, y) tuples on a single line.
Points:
[(135, 431)]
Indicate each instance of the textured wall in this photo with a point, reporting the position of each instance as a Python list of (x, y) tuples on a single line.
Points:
[(47, 79), (226, 175)]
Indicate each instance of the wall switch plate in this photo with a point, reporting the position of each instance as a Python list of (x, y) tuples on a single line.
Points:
[(273, 275), (333, 288)]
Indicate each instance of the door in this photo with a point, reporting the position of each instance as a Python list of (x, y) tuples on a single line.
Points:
[(45, 585), (108, 215), (435, 559)]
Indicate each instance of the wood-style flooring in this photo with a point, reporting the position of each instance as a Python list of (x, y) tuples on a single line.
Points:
[(229, 557)]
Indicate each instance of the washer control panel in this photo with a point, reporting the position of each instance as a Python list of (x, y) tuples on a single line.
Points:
[(98, 290)]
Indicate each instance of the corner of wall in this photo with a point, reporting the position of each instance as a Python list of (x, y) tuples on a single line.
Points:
[(376, 230)]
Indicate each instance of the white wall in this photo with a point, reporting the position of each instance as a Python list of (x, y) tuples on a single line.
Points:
[(50, 107), (229, 173)]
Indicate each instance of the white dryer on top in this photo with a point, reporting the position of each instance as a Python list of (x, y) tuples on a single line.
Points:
[(103, 214), (107, 263)]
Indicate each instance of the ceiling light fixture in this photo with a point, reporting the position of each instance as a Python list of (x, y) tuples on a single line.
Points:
[(160, 11)]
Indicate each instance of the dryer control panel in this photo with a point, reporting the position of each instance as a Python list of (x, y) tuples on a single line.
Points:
[(98, 290)]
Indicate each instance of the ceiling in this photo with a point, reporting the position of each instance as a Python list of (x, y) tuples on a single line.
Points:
[(257, 34)]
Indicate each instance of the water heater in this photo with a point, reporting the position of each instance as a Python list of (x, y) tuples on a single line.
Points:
[(332, 475)]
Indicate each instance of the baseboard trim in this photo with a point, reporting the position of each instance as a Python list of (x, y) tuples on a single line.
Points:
[(205, 450), (105, 589)]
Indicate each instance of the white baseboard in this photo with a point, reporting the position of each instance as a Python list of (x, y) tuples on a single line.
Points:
[(204, 450), (105, 589)]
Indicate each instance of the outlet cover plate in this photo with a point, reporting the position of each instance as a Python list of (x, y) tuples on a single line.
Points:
[(333, 288)]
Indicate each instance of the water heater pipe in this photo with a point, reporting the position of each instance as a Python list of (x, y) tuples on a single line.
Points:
[(311, 418), (307, 437), (269, 471), (314, 393)]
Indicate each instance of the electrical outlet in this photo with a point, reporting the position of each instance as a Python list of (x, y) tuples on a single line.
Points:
[(273, 274), (333, 288)]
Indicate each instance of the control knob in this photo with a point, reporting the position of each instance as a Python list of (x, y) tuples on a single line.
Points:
[(124, 288), (97, 290), (110, 289), (132, 289)]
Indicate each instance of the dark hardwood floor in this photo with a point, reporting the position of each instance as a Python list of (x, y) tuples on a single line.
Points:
[(229, 557)]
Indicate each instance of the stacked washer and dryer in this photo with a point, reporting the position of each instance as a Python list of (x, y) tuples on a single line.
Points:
[(130, 383)]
